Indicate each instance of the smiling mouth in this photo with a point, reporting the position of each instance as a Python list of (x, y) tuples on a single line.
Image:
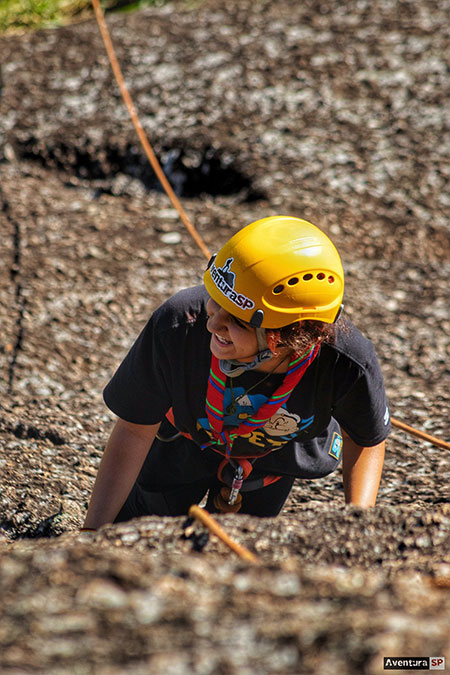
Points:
[(222, 340)]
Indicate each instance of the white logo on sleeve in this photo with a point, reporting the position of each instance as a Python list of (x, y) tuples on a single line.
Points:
[(386, 417)]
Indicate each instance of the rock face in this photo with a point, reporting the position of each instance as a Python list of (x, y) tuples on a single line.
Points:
[(332, 113)]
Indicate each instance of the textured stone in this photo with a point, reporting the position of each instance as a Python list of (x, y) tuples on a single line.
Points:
[(335, 114)]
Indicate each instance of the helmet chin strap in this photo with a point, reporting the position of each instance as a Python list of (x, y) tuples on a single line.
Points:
[(233, 368)]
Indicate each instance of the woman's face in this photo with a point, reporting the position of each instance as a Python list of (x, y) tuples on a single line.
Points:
[(231, 338)]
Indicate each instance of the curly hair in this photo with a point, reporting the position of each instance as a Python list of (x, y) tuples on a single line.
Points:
[(302, 334)]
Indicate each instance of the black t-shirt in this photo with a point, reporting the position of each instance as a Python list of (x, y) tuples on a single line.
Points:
[(168, 367)]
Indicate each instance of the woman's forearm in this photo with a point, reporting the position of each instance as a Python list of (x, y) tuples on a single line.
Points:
[(361, 468), (122, 460)]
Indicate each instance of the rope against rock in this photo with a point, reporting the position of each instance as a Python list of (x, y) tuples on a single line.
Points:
[(420, 434), (213, 526), (174, 199), (156, 166)]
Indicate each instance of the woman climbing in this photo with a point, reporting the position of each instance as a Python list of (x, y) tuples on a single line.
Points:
[(236, 388)]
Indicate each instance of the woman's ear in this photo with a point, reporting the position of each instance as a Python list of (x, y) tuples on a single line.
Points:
[(273, 341)]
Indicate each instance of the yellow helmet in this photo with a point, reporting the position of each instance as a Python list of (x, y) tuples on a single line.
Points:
[(277, 271)]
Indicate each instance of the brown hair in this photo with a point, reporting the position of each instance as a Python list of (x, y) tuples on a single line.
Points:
[(300, 335)]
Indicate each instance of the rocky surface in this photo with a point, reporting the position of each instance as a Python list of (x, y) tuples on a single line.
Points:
[(335, 113)]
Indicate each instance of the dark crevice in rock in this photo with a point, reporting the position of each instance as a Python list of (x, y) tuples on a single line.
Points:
[(21, 430), (192, 173), (44, 528), (198, 539), (19, 297)]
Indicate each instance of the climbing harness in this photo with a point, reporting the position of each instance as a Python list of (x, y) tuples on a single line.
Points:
[(224, 504), (215, 394), (168, 439), (236, 486), (229, 499), (176, 202), (271, 306), (223, 437)]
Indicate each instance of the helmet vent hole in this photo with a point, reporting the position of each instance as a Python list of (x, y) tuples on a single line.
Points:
[(331, 280), (278, 289), (293, 281), (321, 276), (307, 277)]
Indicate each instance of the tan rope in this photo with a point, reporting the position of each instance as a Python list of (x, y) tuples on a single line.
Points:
[(171, 194), (213, 526), (140, 131), (420, 434)]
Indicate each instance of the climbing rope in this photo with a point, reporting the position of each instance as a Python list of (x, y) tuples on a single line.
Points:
[(420, 434), (174, 199), (141, 133), (214, 527)]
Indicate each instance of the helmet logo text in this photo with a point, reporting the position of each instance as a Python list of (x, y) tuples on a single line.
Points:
[(224, 279)]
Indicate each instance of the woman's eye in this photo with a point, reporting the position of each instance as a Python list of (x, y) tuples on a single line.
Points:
[(239, 323)]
